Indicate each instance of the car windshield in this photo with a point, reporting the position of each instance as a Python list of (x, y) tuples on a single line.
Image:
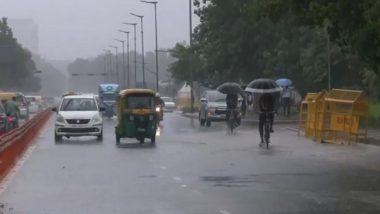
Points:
[(78, 104), (167, 99), (108, 97), (135, 102), (216, 97)]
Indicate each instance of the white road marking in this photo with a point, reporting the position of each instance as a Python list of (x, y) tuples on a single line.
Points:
[(184, 186), (163, 167), (224, 212), (176, 178)]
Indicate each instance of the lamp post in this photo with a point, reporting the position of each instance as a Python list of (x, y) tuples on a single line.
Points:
[(135, 59), (142, 45), (117, 66), (156, 37), (128, 66), (106, 65), (190, 67), (123, 42), (109, 65)]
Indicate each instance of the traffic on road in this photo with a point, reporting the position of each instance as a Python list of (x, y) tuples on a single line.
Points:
[(190, 107)]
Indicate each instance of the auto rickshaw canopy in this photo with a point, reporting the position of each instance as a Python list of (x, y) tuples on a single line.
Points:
[(126, 92)]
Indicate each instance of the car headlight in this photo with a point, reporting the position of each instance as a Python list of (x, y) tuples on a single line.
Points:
[(96, 119), (158, 109), (60, 119)]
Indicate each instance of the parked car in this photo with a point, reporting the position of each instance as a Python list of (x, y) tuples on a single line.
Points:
[(215, 109), (78, 115), (169, 104), (21, 101)]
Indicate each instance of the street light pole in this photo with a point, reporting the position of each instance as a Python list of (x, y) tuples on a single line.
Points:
[(135, 49), (128, 66), (123, 42), (190, 66), (117, 66), (106, 68), (156, 37), (142, 46)]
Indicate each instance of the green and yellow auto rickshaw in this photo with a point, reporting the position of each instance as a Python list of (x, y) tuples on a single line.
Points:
[(136, 114)]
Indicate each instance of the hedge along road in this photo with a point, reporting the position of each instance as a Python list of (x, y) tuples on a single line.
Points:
[(194, 169)]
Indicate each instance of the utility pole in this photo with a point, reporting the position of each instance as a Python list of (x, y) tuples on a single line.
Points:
[(135, 48), (128, 65), (142, 46), (117, 66), (156, 37), (122, 42), (191, 58)]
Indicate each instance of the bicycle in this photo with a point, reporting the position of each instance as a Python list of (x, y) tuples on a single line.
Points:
[(267, 128), (232, 121)]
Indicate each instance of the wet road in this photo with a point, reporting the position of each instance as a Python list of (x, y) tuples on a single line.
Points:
[(194, 170)]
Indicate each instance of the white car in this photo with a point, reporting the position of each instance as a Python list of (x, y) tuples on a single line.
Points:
[(169, 104), (34, 104), (78, 115)]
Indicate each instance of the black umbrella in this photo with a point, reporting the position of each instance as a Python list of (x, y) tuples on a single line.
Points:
[(263, 86), (230, 88)]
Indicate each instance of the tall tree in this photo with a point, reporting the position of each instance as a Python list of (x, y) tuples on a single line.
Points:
[(16, 65)]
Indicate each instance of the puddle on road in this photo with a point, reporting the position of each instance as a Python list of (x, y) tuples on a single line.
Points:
[(148, 176), (343, 181), (231, 181)]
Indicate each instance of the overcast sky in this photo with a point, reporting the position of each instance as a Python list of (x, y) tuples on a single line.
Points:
[(82, 28)]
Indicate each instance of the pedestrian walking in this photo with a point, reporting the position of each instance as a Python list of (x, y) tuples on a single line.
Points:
[(286, 100)]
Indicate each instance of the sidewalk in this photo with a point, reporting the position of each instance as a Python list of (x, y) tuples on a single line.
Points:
[(373, 134), (249, 120)]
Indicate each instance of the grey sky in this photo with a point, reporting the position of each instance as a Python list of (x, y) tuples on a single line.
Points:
[(82, 28)]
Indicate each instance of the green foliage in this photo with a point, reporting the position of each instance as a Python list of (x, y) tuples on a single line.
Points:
[(353, 25), (242, 40), (374, 115), (16, 65), (188, 65)]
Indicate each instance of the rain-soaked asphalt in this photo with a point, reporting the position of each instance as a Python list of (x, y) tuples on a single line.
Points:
[(194, 170)]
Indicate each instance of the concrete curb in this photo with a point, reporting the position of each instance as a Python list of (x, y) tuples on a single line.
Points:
[(247, 121), (14, 143)]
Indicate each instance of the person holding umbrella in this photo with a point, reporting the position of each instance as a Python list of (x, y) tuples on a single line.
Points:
[(266, 92), (286, 95), (232, 90), (232, 104)]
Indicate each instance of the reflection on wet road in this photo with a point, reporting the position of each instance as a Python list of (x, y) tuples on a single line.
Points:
[(194, 170)]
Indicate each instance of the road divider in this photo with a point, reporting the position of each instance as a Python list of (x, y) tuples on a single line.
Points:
[(14, 143)]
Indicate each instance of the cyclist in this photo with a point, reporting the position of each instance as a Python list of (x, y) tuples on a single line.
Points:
[(232, 104), (266, 105)]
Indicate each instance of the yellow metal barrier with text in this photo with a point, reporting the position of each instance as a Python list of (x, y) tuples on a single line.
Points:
[(311, 115), (304, 111), (346, 116)]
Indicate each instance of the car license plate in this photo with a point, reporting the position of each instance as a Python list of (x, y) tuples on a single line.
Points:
[(141, 129)]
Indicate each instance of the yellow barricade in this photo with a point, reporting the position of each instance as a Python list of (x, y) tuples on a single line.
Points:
[(311, 115), (346, 116)]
